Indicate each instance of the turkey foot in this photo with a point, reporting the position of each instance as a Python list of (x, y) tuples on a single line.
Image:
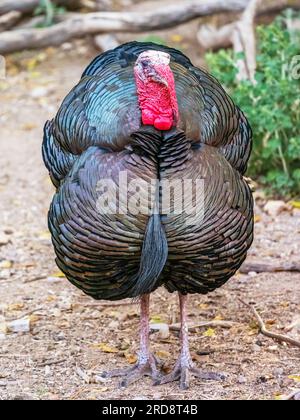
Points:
[(182, 372), (144, 367), (147, 364), (185, 366)]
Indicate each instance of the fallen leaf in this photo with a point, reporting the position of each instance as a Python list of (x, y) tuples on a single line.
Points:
[(162, 354), (295, 378), (45, 235), (6, 264), (51, 298), (105, 348), (131, 358), (177, 38), (15, 306), (257, 219), (203, 306), (29, 126), (58, 274), (209, 333), (295, 204), (218, 318), (3, 328), (156, 319), (34, 318)]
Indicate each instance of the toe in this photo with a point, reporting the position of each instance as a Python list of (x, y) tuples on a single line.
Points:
[(172, 377), (130, 379), (185, 379)]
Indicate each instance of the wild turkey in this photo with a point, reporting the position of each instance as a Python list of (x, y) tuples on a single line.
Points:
[(145, 110)]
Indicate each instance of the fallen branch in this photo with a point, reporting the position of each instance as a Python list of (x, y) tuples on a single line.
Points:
[(269, 268), (33, 279), (9, 19), (205, 324), (106, 42), (295, 395), (243, 40), (51, 362), (103, 22), (279, 337), (25, 314), (212, 38)]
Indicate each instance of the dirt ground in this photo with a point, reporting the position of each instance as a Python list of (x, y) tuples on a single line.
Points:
[(71, 337)]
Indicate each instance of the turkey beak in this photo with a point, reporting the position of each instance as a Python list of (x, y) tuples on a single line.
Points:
[(156, 77)]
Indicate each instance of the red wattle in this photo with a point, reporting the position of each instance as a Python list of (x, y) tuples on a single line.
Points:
[(158, 101)]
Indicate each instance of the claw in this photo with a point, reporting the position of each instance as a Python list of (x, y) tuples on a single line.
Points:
[(135, 373), (183, 371)]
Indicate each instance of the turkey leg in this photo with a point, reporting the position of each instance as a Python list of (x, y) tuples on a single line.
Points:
[(185, 366), (146, 364)]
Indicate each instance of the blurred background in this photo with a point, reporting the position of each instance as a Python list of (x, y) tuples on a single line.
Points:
[(52, 338)]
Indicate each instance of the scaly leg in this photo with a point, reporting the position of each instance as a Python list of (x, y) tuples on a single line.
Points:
[(146, 364), (185, 366)]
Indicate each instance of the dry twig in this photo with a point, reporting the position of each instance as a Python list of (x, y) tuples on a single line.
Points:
[(9, 19), (269, 267), (293, 395), (266, 332), (205, 324)]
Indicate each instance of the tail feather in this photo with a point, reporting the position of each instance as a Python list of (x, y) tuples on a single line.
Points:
[(153, 258)]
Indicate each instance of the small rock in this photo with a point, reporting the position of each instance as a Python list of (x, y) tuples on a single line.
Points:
[(66, 46), (47, 370), (140, 398), (83, 375), (252, 274), (296, 212), (52, 279), (297, 397), (40, 92), (163, 330), (295, 325), (275, 207), (113, 324), (278, 372), (99, 379), (19, 325), (262, 379), (273, 348), (4, 240), (8, 231), (242, 379), (256, 348)]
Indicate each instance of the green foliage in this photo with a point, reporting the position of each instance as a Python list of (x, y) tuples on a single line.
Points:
[(153, 38), (272, 105), (49, 11)]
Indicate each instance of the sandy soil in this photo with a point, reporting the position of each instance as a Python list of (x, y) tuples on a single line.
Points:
[(70, 334)]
